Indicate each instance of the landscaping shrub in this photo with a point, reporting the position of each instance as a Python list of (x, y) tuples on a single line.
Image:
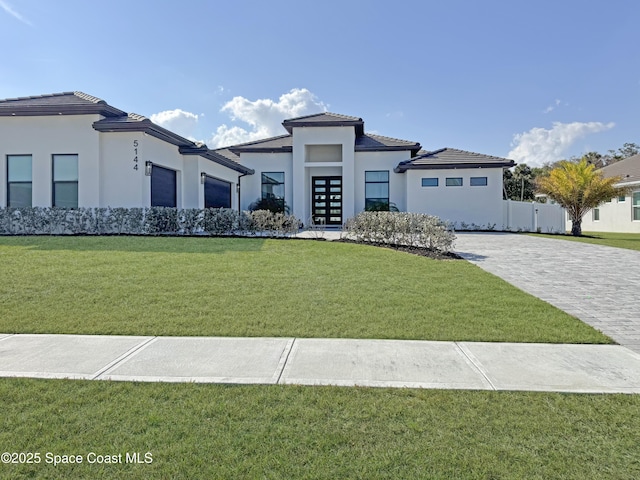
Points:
[(401, 228), (144, 221), (273, 224), (273, 204)]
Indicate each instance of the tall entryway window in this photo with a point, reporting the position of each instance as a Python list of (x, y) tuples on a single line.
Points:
[(327, 200), (163, 187)]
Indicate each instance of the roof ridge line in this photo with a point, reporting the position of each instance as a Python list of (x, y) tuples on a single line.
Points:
[(89, 98), (339, 115)]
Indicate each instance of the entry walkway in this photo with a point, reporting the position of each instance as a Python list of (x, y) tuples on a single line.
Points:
[(305, 361), (599, 285)]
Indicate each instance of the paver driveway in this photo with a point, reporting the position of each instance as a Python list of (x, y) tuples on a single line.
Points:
[(600, 285)]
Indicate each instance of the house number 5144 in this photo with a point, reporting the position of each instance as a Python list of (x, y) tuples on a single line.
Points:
[(135, 154)]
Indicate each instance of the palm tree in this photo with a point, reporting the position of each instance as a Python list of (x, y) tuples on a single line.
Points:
[(578, 187)]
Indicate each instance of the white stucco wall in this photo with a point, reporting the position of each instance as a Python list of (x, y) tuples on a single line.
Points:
[(615, 216), (480, 205), (120, 184), (106, 173), (42, 137)]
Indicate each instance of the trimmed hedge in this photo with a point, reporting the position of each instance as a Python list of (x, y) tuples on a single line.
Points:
[(144, 221), (401, 228)]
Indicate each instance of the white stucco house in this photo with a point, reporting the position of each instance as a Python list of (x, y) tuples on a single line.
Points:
[(327, 169), (74, 150), (620, 214)]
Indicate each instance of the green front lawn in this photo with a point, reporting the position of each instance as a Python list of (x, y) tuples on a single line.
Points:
[(262, 287), (218, 431), (630, 241)]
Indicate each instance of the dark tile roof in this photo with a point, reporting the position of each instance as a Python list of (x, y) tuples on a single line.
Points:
[(628, 169), (226, 153), (282, 143), (325, 119), (369, 142), (364, 143), (65, 103), (452, 158)]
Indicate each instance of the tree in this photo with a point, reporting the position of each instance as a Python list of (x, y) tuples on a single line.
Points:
[(626, 151), (578, 187), (520, 184), (613, 156)]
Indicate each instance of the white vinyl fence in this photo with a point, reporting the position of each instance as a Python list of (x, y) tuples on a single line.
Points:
[(533, 217)]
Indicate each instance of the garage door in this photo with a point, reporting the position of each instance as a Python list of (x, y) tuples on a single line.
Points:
[(163, 187), (217, 193)]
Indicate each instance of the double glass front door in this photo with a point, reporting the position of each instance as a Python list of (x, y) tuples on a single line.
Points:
[(327, 200)]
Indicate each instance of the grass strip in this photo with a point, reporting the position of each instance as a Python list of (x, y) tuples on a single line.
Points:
[(630, 241), (262, 287), (218, 431)]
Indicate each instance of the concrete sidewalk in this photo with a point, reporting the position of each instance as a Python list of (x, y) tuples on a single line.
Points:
[(305, 361)]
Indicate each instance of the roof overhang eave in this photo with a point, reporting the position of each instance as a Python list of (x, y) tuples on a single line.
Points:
[(143, 126), (449, 166), (238, 151), (53, 110)]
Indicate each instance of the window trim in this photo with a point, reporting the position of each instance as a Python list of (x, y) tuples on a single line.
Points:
[(55, 182), (387, 182), (447, 184), (19, 182), (436, 184)]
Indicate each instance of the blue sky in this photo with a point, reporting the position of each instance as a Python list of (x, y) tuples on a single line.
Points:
[(534, 81)]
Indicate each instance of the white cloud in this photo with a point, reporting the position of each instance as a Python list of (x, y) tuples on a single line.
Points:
[(264, 116), (9, 9), (178, 121), (539, 145), (552, 107)]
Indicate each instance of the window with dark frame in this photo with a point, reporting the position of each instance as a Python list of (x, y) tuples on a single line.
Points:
[(273, 185), (65, 181), (453, 182), (376, 190), (478, 181), (429, 182), (19, 181), (636, 205), (596, 214)]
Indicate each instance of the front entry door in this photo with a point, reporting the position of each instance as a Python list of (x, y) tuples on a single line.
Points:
[(327, 200)]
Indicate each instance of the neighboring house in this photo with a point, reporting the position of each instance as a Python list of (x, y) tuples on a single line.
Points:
[(620, 214), (327, 169), (74, 150)]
